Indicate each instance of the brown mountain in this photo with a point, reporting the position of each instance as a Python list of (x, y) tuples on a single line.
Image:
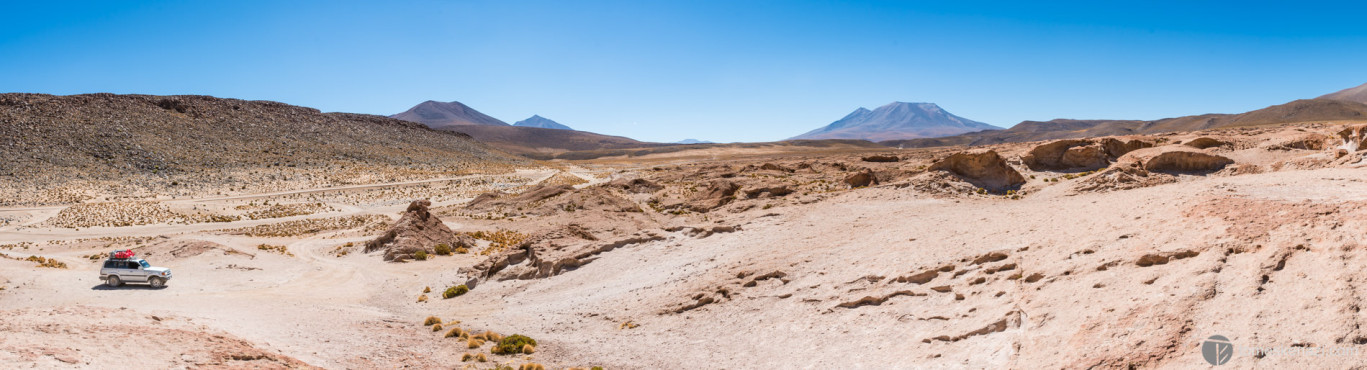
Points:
[(1305, 110), (437, 114), (545, 143), (1354, 94), (181, 144)]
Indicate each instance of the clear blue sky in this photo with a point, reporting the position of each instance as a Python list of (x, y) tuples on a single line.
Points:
[(713, 70)]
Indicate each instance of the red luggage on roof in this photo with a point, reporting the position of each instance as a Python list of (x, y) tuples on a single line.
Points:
[(124, 254)]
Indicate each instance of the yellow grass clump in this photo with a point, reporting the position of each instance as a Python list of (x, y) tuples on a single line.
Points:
[(431, 320), (453, 333)]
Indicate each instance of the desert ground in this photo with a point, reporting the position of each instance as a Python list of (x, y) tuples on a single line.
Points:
[(1119, 252)]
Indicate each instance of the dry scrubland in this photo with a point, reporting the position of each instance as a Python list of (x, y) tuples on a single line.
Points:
[(1109, 252), (98, 147)]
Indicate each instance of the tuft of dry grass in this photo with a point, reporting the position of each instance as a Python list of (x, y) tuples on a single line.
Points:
[(492, 336), (499, 240), (481, 357), (474, 343), (422, 298), (426, 289), (467, 357), (431, 320), (455, 291), (436, 327), (532, 366), (528, 349), (276, 249), (46, 262), (453, 333), (627, 325)]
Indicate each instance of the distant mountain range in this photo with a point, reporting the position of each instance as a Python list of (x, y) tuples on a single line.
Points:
[(894, 121), (542, 122), (437, 114), (693, 141), (1355, 94), (1339, 106)]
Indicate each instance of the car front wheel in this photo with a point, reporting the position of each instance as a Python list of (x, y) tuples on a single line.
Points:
[(113, 281), (157, 282)]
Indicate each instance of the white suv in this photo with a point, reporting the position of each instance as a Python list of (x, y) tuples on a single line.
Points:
[(117, 271)]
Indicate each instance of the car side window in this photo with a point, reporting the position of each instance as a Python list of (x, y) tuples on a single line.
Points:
[(109, 264), (126, 265)]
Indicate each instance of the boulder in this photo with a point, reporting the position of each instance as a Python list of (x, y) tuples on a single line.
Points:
[(1116, 148), (417, 230), (861, 179), (985, 169)]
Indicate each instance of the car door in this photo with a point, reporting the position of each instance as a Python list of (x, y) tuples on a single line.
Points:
[(132, 271)]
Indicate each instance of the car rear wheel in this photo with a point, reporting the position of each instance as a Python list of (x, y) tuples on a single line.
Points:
[(157, 282), (113, 281)]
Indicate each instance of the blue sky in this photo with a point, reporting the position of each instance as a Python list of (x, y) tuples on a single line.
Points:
[(713, 70)]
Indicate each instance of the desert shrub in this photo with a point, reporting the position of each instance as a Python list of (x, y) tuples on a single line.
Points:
[(481, 358), (466, 357), (421, 256), (512, 344), (443, 249), (436, 328), (455, 291), (532, 366), (474, 343), (431, 320), (462, 250)]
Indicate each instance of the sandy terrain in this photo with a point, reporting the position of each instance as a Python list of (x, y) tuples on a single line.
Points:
[(757, 262)]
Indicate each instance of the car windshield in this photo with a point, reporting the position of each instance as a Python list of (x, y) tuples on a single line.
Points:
[(144, 264)]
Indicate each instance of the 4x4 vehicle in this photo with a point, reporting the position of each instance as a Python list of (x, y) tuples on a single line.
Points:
[(122, 267)]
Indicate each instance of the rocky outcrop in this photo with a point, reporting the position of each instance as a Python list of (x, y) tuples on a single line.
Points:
[(549, 254), (639, 186), (719, 193), (1066, 155), (1354, 138), (984, 169), (417, 230), (1115, 148), (1176, 159), (1205, 142), (1079, 154), (1300, 141), (880, 158)]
